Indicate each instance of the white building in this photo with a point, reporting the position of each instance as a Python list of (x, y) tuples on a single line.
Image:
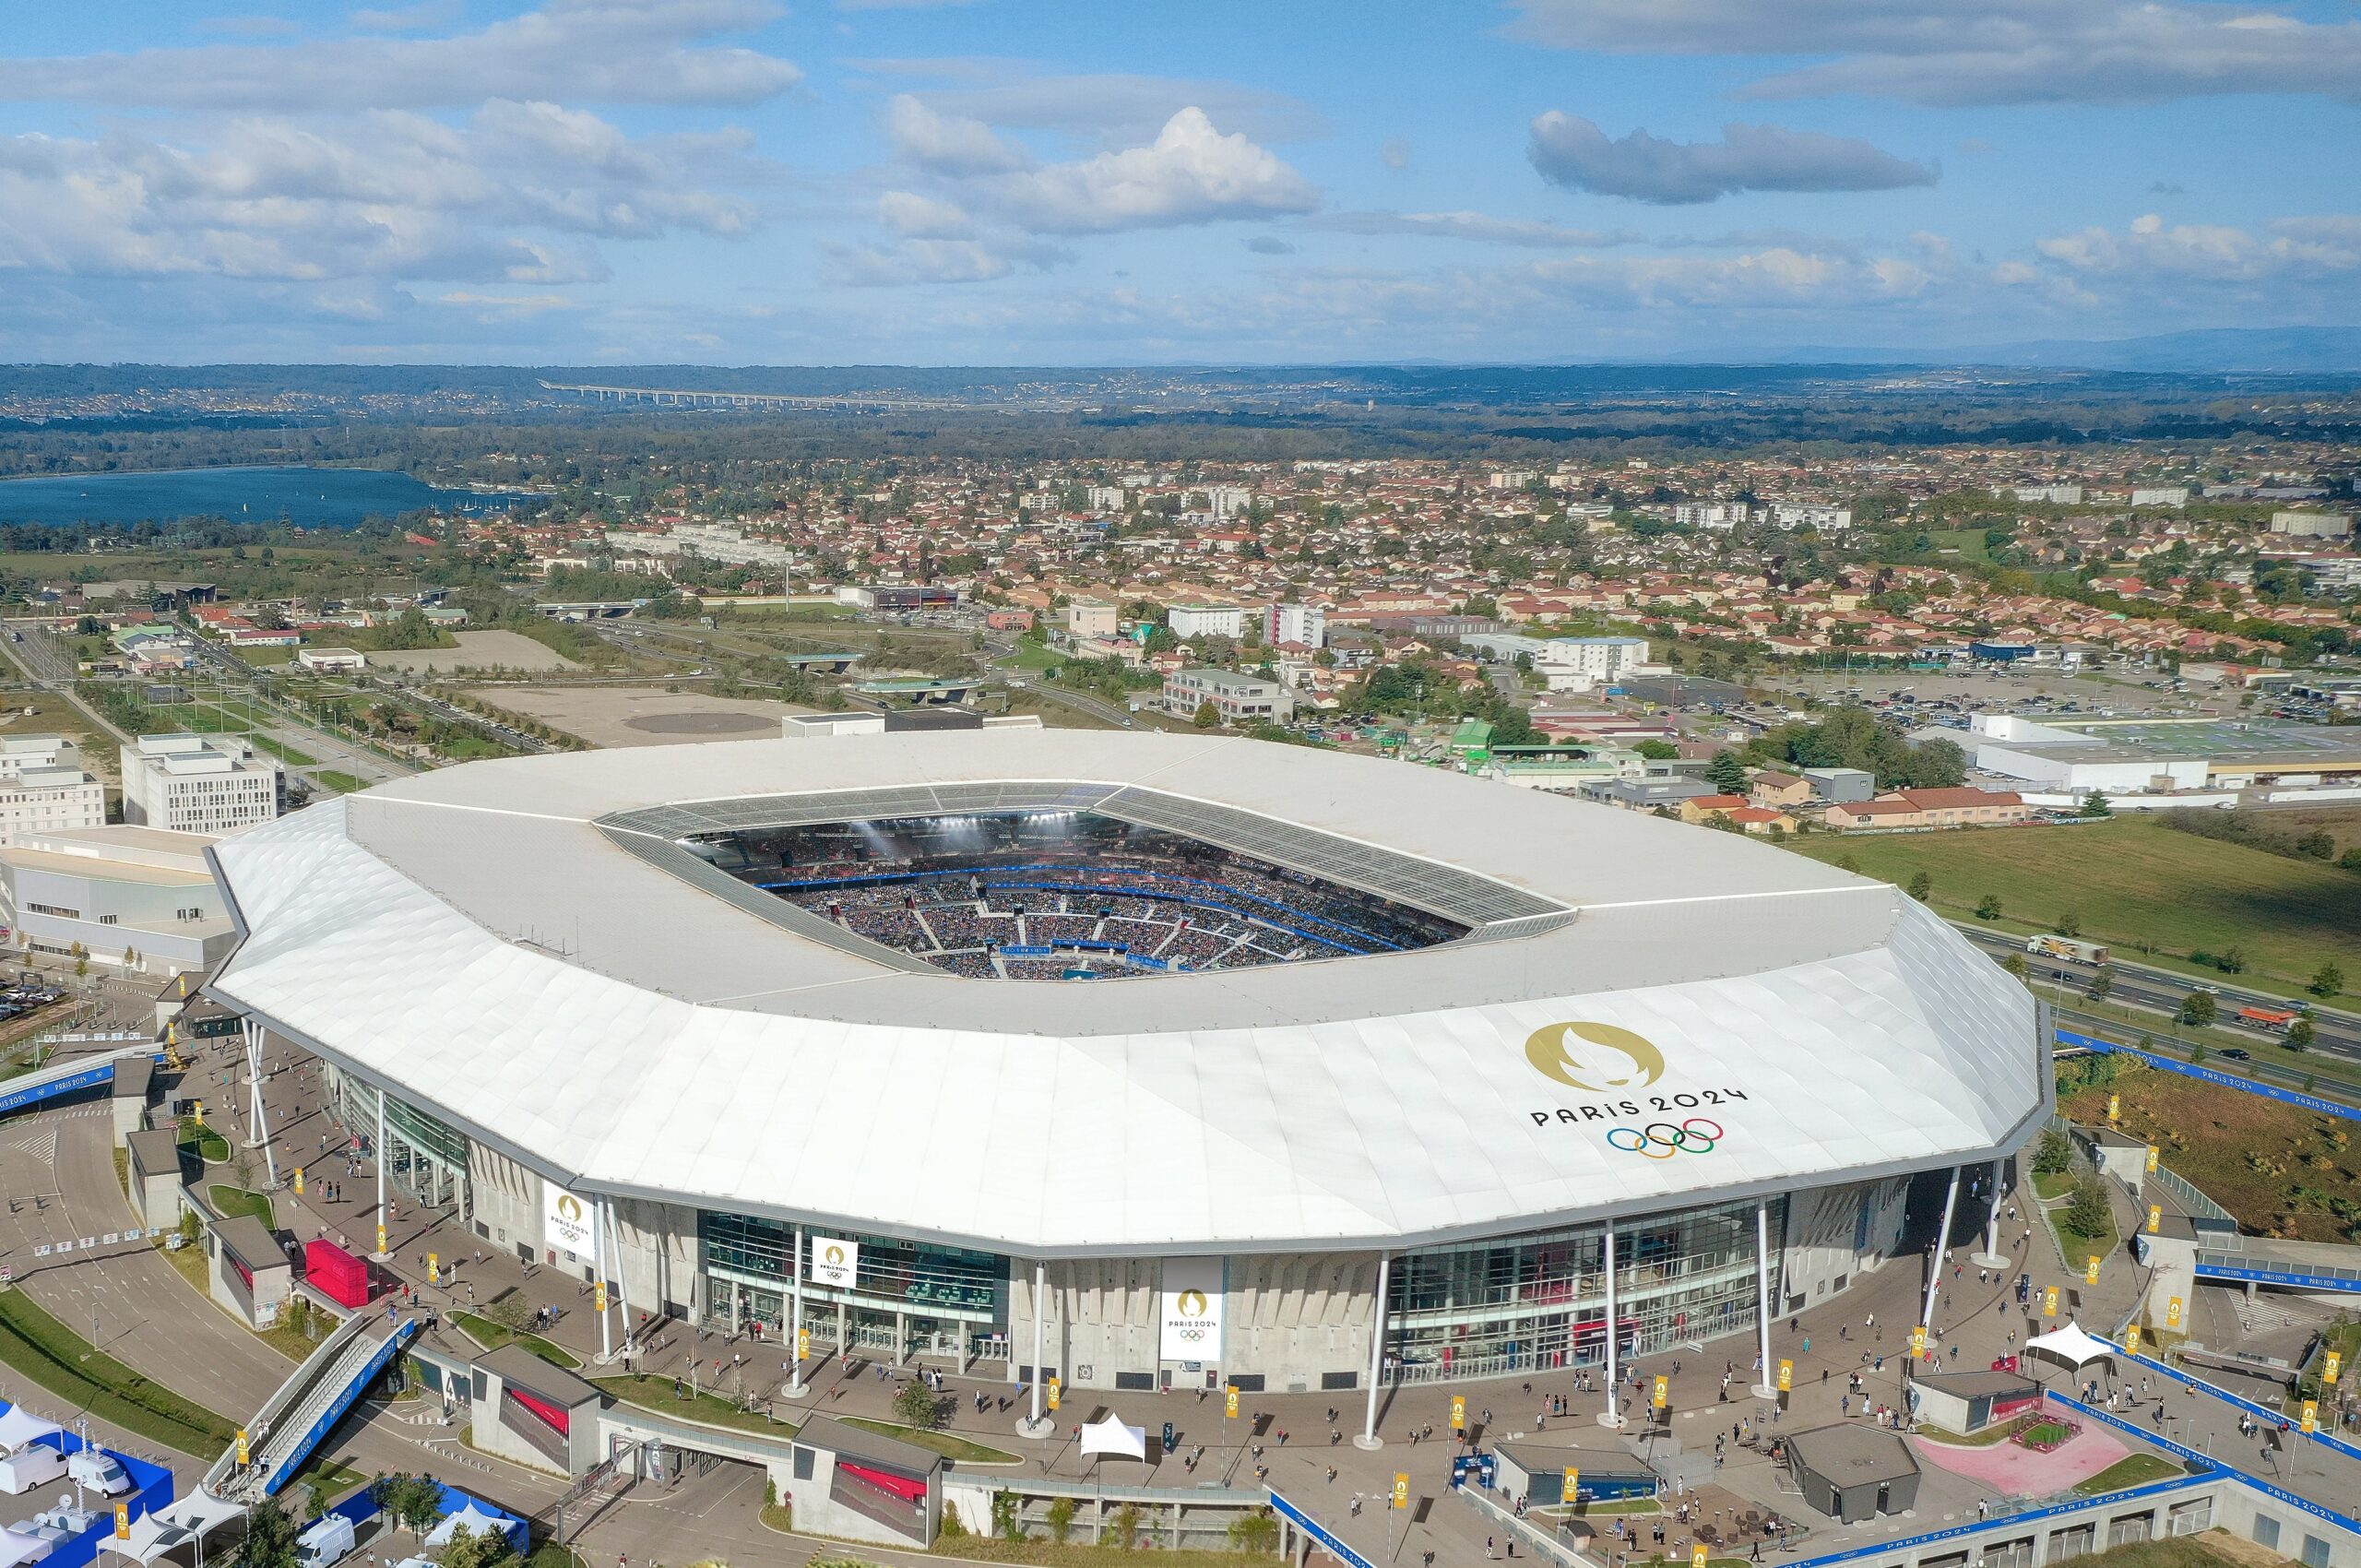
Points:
[(1304, 623), (43, 788), (1088, 618), (2050, 494), (2312, 525), (1602, 660), (1189, 621), (200, 784), (1239, 699), (1104, 497), (2161, 496), (1228, 500), (133, 899), (1712, 513), (708, 541), (2069, 760), (1810, 515), (333, 661)]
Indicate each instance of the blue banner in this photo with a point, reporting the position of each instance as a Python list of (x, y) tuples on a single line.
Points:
[(2227, 1080), (2279, 1276), (89, 1077), (1319, 1532), (2270, 1416)]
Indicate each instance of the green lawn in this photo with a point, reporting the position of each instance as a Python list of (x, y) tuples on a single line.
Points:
[(2132, 880), (285, 753), (39, 1348), (211, 1147), (342, 783), (943, 1443), (491, 1336), (228, 1200), (2074, 1243), (655, 1394), (330, 1482), (2135, 1470)]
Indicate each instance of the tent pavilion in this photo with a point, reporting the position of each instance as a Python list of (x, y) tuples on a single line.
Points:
[(2072, 1346), (152, 1537), (200, 1514), (1111, 1439), (19, 1427)]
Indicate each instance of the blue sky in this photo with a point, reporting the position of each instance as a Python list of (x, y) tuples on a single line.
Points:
[(1000, 182)]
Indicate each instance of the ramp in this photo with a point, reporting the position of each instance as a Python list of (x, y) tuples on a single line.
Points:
[(292, 1425), (70, 1075)]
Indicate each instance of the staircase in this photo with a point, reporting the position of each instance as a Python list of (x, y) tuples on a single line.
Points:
[(300, 1415)]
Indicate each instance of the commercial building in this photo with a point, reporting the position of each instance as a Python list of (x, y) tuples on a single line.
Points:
[(899, 598), (134, 898), (333, 661), (2312, 525), (1306, 625), (1568, 664), (2152, 756), (43, 788), (1089, 618), (2173, 495), (213, 784), (1239, 699), (1189, 621), (1704, 1074), (1931, 808)]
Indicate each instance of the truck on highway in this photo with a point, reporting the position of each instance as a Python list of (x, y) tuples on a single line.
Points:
[(2274, 1020), (2071, 948)]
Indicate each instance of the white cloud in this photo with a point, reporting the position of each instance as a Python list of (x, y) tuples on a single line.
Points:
[(1191, 174), (1478, 226), (1394, 154), (923, 218), (519, 193), (407, 18), (1573, 151), (2296, 250), (1100, 111), (947, 144), (599, 51), (920, 261), (1976, 51)]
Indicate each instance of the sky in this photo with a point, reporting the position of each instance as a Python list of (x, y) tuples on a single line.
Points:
[(1152, 182)]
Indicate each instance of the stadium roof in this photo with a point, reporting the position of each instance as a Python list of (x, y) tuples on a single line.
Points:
[(513, 946)]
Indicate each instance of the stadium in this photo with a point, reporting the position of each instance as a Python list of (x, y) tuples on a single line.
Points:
[(1136, 1060)]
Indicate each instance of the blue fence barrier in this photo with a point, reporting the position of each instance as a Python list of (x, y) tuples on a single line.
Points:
[(2226, 1080), (2276, 1492), (2277, 1277), (1319, 1532), (72, 1083), (2327, 1440)]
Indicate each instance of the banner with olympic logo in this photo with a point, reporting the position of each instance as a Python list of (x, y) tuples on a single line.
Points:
[(1662, 1140)]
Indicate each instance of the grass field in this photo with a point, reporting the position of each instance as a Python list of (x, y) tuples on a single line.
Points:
[(39, 1348), (2133, 882), (2134, 1469), (2280, 1170), (229, 1200), (655, 1394), (211, 1147), (491, 1336)]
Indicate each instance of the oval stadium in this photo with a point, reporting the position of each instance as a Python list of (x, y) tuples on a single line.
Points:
[(1137, 1060)]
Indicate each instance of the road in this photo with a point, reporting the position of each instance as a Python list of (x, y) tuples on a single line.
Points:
[(2136, 985)]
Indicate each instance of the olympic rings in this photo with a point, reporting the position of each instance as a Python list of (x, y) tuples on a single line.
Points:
[(1691, 1136)]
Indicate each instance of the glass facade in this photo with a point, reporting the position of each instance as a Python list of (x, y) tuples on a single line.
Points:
[(919, 1279), (1538, 1302), (426, 1157)]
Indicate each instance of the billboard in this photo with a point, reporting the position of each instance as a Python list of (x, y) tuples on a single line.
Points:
[(835, 1262), (1189, 1311), (566, 1220)]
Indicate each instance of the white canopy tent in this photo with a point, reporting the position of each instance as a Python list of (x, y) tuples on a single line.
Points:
[(200, 1514), (21, 1426), (2072, 1346), (1112, 1438), (18, 1548), (472, 1520), (150, 1537)]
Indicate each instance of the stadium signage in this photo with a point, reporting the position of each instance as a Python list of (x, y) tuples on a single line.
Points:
[(1602, 1058), (835, 1262), (565, 1220), (1189, 1311)]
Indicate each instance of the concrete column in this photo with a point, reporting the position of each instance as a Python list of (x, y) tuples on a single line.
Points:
[(1767, 1386), (1368, 1438), (259, 1119), (377, 1152), (795, 1331), (1991, 1256), (1614, 1407), (598, 1272), (901, 1337), (844, 1345), (1942, 1240), (621, 1294), (1038, 1425)]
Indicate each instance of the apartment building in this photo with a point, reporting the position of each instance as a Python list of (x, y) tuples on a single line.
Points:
[(1239, 699), (212, 784), (43, 788), (1189, 621), (1304, 623)]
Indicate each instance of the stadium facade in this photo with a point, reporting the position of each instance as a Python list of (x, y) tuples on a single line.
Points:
[(1388, 1062)]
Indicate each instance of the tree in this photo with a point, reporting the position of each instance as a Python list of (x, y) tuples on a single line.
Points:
[(2014, 964), (2052, 1154), (1061, 1515), (270, 1537), (476, 1548), (1256, 1533), (511, 1312), (2198, 1008), (1725, 773), (2102, 983), (2301, 1034), (915, 1405), (2069, 924), (1127, 1526), (2094, 805), (414, 1502), (1207, 716), (2327, 980), (1921, 884), (2231, 960), (1987, 908), (2087, 1213), (1654, 751)]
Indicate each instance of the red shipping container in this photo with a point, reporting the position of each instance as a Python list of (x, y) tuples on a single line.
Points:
[(335, 1273)]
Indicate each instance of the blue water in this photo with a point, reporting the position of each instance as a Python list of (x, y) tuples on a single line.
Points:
[(312, 498)]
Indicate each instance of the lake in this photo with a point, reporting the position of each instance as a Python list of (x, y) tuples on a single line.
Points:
[(308, 497)]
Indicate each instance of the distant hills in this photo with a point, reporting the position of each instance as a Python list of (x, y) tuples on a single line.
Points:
[(2268, 351)]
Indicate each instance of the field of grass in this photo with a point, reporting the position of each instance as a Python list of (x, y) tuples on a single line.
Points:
[(2133, 882), (285, 753), (211, 1147), (2133, 1469), (2281, 1170), (655, 1394), (45, 1350), (330, 1482), (491, 1336), (342, 783), (943, 1443), (228, 1200)]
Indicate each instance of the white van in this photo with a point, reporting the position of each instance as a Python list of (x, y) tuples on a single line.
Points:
[(31, 1466), (328, 1539), (99, 1470)]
